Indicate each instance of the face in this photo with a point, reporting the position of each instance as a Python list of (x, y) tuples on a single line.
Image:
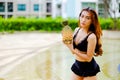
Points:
[(85, 19)]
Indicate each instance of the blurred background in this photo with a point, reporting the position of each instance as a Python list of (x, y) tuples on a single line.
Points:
[(30, 38)]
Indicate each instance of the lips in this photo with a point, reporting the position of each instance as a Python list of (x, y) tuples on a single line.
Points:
[(82, 23)]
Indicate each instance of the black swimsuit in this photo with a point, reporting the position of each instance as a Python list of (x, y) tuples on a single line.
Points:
[(84, 68), (82, 46)]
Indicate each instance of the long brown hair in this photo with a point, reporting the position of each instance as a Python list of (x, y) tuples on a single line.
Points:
[(95, 28)]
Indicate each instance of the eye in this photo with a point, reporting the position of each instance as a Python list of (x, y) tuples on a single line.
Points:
[(87, 17), (81, 16)]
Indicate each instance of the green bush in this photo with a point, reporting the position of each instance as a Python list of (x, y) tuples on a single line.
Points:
[(45, 24), (105, 23), (31, 24), (108, 24)]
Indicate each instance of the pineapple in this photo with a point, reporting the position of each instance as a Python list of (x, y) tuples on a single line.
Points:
[(67, 33)]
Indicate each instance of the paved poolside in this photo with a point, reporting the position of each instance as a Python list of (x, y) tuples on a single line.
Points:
[(15, 48)]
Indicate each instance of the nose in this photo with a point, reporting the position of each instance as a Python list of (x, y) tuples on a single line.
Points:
[(83, 19)]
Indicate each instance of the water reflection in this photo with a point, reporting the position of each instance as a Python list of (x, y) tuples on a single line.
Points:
[(46, 65), (55, 62), (110, 61)]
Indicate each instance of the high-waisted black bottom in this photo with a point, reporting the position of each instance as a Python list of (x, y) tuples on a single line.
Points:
[(85, 69)]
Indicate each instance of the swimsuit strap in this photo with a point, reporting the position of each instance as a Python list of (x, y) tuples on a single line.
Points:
[(76, 33), (89, 34)]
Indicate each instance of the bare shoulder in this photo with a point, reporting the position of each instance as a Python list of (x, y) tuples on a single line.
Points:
[(76, 29), (92, 36)]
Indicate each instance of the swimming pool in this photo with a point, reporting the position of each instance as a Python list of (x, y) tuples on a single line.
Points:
[(54, 63)]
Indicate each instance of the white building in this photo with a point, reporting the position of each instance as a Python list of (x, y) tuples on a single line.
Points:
[(53, 8), (73, 7), (27, 8)]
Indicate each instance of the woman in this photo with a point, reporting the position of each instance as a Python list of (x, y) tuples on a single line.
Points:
[(86, 44)]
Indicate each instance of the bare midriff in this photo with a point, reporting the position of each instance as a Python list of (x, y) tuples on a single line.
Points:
[(80, 59)]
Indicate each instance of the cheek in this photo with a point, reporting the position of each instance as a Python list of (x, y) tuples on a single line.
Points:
[(89, 22)]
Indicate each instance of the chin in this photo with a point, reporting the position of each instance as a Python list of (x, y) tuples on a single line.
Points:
[(82, 26)]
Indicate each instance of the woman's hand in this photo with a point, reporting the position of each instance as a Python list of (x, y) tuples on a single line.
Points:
[(69, 45), (79, 52)]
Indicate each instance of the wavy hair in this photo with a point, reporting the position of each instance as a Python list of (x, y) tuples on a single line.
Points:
[(95, 28)]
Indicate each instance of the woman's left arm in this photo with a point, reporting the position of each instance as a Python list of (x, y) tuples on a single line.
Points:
[(90, 48)]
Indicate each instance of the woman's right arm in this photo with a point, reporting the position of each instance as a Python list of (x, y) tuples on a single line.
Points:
[(70, 46)]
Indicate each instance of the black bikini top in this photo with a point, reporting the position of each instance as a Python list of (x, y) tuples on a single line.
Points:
[(82, 46)]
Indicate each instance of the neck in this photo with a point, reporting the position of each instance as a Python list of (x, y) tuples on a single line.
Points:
[(85, 30)]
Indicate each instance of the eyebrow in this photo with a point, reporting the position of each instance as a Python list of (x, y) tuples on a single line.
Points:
[(84, 15)]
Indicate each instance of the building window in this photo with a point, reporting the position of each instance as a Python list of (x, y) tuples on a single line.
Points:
[(59, 6), (2, 7), (58, 10), (119, 7), (10, 7), (21, 7), (101, 10), (49, 7), (36, 7), (89, 4)]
